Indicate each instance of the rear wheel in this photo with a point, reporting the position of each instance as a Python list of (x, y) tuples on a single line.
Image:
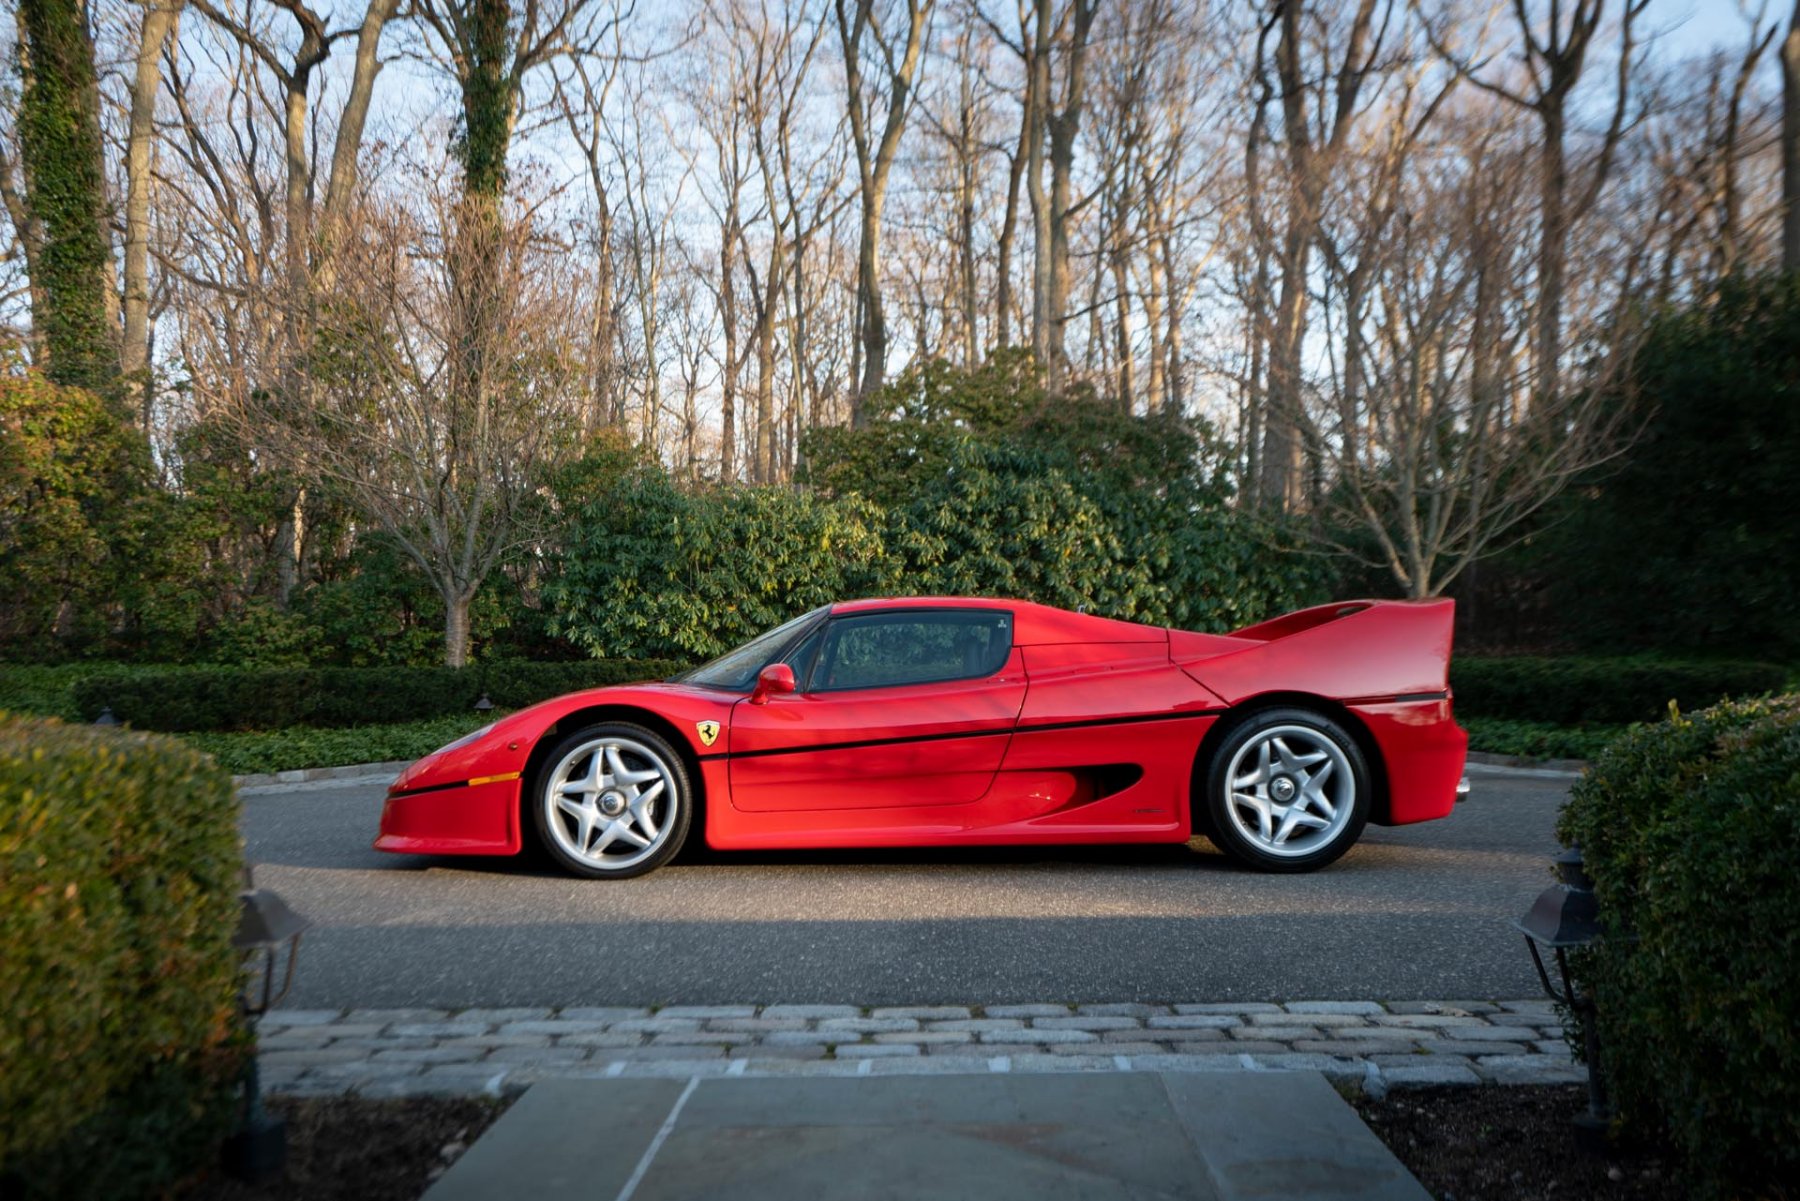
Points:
[(1287, 791), (612, 802)]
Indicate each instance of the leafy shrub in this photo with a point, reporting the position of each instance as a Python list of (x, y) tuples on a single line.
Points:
[(1012, 523), (119, 871), (1694, 539), (276, 698), (1577, 691), (71, 474), (966, 482), (1691, 829), (649, 569)]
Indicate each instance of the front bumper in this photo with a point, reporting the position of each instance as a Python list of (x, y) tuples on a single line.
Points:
[(477, 818)]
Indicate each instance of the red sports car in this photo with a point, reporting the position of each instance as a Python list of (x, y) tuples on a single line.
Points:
[(938, 721)]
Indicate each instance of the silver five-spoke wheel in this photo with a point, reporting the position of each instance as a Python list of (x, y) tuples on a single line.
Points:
[(1287, 790), (1291, 790), (613, 802)]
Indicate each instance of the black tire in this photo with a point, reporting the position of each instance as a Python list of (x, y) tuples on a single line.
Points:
[(640, 752), (1305, 733)]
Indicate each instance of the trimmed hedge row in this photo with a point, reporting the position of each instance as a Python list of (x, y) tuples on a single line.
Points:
[(120, 1047), (253, 698), (1690, 830), (1596, 691)]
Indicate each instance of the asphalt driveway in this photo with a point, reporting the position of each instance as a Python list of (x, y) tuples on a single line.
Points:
[(1415, 912)]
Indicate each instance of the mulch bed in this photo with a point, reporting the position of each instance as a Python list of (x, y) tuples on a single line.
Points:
[(1510, 1143), (1464, 1144), (347, 1149)]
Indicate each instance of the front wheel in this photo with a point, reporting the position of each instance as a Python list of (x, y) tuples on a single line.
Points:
[(612, 802), (1287, 791)]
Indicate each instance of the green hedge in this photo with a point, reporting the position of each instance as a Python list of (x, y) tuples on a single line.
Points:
[(1691, 830), (119, 1041), (1596, 691), (1536, 739), (308, 746), (253, 698)]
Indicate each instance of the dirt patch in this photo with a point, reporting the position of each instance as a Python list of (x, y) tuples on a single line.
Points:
[(1510, 1143), (348, 1149)]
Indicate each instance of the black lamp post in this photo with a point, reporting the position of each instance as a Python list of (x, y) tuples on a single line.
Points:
[(265, 925), (1566, 916)]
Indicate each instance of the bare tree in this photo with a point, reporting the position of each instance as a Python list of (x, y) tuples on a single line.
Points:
[(134, 348), (1433, 461), (1790, 143), (863, 35), (1317, 103), (441, 444), (1553, 59)]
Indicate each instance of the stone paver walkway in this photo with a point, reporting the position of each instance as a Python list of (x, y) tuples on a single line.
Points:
[(398, 1052)]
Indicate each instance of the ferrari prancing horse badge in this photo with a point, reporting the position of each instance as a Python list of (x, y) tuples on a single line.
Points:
[(709, 732)]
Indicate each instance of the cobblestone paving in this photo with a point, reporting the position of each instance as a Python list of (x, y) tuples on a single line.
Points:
[(1372, 1045)]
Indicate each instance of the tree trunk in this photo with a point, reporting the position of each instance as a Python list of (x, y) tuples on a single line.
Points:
[(487, 99), (966, 167), (348, 144), (456, 629), (1122, 318), (728, 369), (1790, 144), (1552, 255), (1153, 324), (874, 160), (60, 150), (1280, 459), (763, 469), (1172, 380), (868, 301), (134, 350), (1009, 228), (1037, 102)]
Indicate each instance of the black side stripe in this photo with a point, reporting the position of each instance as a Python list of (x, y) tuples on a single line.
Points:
[(428, 788), (1402, 699), (988, 733)]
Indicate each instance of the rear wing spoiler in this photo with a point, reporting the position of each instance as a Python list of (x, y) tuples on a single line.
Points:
[(1348, 651), (1301, 619)]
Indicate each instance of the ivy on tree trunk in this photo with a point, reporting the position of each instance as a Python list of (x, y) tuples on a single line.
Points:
[(59, 138)]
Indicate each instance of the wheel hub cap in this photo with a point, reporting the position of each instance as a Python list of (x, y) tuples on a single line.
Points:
[(611, 802), (1291, 790)]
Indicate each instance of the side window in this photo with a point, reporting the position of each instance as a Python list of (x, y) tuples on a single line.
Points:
[(913, 647)]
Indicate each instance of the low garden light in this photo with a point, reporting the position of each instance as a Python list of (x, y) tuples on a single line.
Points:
[(1566, 917), (484, 705), (268, 932), (107, 717)]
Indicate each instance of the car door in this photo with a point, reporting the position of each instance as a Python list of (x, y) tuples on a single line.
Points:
[(899, 708)]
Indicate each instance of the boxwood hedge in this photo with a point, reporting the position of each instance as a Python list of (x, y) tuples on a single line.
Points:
[(1597, 691), (263, 698), (1691, 829), (119, 1041)]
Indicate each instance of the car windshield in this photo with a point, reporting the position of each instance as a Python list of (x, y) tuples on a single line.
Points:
[(737, 669)]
